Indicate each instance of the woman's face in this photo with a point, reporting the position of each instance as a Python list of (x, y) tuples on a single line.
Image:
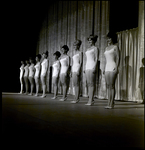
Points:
[(26, 61), (109, 40), (44, 55), (30, 61), (37, 59), (75, 47), (55, 57), (91, 42), (22, 62), (63, 51)]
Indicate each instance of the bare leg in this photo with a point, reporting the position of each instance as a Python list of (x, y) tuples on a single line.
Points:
[(21, 82), (75, 78), (55, 83), (63, 79), (37, 85), (43, 86), (31, 79), (26, 84), (90, 76)]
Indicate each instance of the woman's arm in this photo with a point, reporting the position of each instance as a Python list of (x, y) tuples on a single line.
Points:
[(68, 64), (96, 50), (117, 57), (104, 64)]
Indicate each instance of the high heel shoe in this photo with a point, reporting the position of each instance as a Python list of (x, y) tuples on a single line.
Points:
[(43, 96), (75, 101), (55, 97), (90, 104), (63, 99), (107, 107)]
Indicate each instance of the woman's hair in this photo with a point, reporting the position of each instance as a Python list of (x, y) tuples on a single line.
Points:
[(57, 53), (93, 38), (39, 56), (65, 47), (113, 36)]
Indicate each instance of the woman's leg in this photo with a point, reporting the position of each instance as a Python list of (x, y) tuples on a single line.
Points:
[(43, 86), (37, 85), (31, 79), (90, 76), (76, 84), (63, 80), (55, 84), (107, 79), (26, 84), (21, 82), (113, 76)]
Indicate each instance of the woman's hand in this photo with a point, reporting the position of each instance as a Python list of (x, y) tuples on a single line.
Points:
[(116, 70), (84, 71), (104, 72), (70, 74)]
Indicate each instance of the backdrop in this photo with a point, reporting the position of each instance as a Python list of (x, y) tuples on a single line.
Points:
[(68, 20)]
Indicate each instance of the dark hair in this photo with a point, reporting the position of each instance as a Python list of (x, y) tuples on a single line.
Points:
[(113, 36), (93, 38), (57, 53), (65, 47), (39, 56)]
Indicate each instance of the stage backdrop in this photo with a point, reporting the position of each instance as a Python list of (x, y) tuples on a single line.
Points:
[(70, 20)]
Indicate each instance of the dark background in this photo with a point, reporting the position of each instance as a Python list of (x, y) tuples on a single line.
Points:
[(22, 22)]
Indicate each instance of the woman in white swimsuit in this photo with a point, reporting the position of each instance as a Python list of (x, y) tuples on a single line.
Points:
[(111, 67), (26, 75), (91, 56), (65, 64), (22, 76), (76, 63), (37, 72), (55, 72), (31, 75), (44, 68)]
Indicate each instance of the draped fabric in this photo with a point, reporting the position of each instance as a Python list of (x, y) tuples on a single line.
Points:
[(70, 20)]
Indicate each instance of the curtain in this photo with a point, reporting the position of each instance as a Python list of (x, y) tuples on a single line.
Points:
[(70, 20)]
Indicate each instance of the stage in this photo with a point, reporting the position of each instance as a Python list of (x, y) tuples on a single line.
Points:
[(51, 122)]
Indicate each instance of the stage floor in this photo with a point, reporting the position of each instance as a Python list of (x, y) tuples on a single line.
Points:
[(26, 118)]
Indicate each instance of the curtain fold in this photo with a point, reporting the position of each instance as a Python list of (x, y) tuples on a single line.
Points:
[(68, 20)]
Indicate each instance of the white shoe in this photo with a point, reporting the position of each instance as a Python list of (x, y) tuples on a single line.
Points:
[(63, 99), (30, 94), (43, 96), (54, 97), (36, 95)]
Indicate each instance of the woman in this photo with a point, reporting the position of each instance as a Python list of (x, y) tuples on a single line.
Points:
[(44, 67), (111, 67), (91, 56), (22, 76), (55, 72), (37, 72), (26, 75), (76, 63), (31, 75), (65, 64)]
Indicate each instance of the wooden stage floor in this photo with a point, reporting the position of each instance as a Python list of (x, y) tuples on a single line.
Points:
[(51, 122)]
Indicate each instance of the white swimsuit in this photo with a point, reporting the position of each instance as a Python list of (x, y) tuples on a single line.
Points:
[(44, 66), (76, 63), (64, 65), (110, 56), (26, 68), (21, 71), (37, 68), (90, 54), (56, 67), (31, 70)]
